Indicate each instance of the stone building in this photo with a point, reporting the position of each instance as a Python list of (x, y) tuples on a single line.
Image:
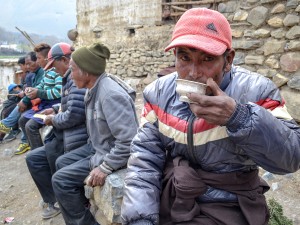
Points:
[(265, 35)]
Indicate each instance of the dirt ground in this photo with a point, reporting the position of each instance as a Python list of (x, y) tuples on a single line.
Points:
[(19, 197)]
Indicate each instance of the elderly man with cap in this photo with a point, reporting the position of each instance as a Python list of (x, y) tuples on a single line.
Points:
[(196, 162), (68, 133), (111, 124)]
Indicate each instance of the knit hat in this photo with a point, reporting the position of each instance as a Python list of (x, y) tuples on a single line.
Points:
[(57, 51), (92, 59), (203, 29)]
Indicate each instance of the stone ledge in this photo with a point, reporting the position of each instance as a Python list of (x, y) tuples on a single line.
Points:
[(106, 201)]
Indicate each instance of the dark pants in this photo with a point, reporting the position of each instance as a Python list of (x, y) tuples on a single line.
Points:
[(39, 168), (31, 132), (68, 186)]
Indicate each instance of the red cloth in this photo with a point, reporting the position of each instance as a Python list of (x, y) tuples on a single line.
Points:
[(35, 104)]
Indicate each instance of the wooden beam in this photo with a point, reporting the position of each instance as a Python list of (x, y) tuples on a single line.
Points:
[(178, 8), (176, 13), (194, 2)]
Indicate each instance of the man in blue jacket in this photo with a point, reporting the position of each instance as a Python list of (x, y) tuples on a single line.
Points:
[(69, 129), (197, 162)]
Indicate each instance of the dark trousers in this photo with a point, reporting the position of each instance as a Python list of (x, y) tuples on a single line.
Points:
[(31, 132), (39, 168), (68, 186)]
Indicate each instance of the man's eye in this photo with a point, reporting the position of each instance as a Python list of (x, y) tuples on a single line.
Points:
[(184, 58), (209, 58)]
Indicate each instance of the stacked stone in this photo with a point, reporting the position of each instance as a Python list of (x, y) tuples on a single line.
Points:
[(265, 36), (139, 66), (266, 39)]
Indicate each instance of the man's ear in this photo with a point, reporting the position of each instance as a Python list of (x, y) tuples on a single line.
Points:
[(229, 59)]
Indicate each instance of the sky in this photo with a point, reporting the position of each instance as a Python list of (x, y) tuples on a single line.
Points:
[(44, 17)]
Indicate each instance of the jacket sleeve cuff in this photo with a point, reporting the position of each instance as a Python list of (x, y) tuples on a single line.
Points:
[(42, 94), (56, 107), (141, 222), (106, 168), (239, 118)]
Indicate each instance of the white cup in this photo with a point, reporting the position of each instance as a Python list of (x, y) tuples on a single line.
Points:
[(183, 87)]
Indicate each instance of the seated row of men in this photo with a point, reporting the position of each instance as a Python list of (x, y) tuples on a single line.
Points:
[(80, 130), (189, 163)]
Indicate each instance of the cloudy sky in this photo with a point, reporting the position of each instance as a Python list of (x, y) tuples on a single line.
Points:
[(45, 17)]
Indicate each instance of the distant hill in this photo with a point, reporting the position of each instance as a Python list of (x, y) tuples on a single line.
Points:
[(11, 38)]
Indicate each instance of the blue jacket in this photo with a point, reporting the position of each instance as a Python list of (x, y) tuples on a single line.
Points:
[(71, 119), (262, 133)]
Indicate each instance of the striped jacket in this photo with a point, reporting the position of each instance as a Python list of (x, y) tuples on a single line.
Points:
[(50, 86), (263, 134)]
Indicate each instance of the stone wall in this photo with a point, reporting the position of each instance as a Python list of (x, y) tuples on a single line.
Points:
[(7, 75), (265, 35)]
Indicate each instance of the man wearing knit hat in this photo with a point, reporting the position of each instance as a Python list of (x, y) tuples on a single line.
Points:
[(196, 161), (111, 124)]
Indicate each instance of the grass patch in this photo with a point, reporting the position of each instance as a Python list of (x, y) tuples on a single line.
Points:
[(276, 213), (9, 56)]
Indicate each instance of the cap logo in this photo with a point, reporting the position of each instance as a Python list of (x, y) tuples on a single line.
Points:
[(212, 27)]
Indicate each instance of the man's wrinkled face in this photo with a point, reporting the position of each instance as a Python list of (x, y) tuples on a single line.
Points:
[(77, 75), (196, 65)]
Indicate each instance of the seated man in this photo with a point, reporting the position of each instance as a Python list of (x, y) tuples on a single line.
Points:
[(11, 123), (12, 120), (13, 98), (26, 77), (42, 96), (69, 129), (111, 124), (197, 163)]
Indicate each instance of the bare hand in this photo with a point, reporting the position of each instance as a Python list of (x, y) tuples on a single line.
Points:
[(97, 178), (21, 94), (22, 106), (48, 120), (216, 109), (31, 92), (48, 111)]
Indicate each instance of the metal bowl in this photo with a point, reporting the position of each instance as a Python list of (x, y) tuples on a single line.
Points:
[(183, 87)]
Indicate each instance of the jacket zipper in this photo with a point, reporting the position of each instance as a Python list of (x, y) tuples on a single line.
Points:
[(190, 138)]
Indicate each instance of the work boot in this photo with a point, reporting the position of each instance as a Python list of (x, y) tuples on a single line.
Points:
[(50, 211)]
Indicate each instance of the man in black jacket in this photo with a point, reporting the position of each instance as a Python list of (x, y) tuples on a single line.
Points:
[(69, 130)]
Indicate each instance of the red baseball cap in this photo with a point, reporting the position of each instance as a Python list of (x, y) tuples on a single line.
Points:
[(57, 51), (203, 29)]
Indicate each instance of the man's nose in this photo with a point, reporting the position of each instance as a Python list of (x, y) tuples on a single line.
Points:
[(195, 71)]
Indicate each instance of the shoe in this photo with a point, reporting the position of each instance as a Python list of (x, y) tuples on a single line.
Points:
[(42, 204), (23, 147), (50, 211), (11, 136), (4, 129)]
